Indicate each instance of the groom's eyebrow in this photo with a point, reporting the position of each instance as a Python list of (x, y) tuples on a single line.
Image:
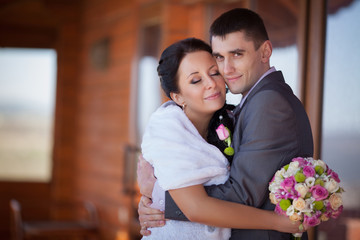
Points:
[(215, 54), (237, 50)]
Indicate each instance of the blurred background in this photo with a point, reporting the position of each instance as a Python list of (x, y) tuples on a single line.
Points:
[(78, 82)]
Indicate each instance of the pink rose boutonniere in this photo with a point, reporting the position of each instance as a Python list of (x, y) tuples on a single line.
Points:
[(225, 135), (222, 132), (306, 190)]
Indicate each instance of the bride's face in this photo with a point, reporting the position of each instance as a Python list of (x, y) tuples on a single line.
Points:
[(202, 88)]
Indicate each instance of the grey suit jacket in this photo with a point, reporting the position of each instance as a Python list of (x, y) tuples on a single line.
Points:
[(271, 128)]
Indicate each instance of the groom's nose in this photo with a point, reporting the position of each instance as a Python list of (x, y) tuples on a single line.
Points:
[(228, 66)]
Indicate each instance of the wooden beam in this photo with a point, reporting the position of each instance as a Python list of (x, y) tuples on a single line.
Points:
[(314, 78), (311, 44), (31, 37)]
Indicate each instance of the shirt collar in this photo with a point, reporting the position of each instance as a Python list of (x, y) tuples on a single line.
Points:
[(272, 69)]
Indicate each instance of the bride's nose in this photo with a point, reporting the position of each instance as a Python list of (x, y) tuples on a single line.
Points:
[(210, 82)]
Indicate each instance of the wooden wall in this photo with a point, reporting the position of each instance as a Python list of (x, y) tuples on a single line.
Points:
[(108, 27), (45, 24)]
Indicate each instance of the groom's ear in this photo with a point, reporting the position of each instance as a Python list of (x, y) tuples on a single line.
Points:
[(266, 51), (177, 98)]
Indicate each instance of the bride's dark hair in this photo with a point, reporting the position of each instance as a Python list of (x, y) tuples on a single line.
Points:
[(221, 116), (170, 61), (167, 70)]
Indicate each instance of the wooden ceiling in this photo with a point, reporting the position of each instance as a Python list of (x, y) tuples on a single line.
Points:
[(40, 19), (33, 23)]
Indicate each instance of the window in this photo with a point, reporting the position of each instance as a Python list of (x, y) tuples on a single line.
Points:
[(27, 95), (148, 86), (341, 114)]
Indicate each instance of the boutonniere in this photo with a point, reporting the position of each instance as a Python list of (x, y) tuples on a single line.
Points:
[(225, 135)]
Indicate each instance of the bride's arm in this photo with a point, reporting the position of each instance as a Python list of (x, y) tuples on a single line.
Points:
[(199, 207)]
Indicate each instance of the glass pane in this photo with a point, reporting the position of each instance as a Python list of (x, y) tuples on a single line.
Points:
[(285, 59), (282, 23), (341, 115), (149, 95), (27, 94), (148, 85)]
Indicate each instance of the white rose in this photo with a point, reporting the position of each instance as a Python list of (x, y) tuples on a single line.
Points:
[(273, 187), (273, 199), (279, 174), (324, 218), (294, 164), (302, 189), (293, 168), (332, 186), (299, 204), (295, 217), (310, 182), (290, 210), (308, 205), (335, 201)]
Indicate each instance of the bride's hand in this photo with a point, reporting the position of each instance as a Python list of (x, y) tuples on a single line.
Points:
[(284, 224)]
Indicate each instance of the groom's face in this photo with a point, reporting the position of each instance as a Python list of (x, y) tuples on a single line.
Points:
[(238, 61)]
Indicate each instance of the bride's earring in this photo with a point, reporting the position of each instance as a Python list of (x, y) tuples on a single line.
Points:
[(183, 107)]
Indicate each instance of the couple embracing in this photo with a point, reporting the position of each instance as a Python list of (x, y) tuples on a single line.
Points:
[(198, 177)]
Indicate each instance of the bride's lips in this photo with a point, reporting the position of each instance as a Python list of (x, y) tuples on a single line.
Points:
[(213, 96)]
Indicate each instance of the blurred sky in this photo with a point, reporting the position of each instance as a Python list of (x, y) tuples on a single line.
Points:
[(28, 76), (342, 79)]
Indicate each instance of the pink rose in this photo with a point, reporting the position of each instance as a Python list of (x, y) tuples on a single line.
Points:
[(319, 192), (301, 161), (334, 175), (288, 183), (222, 132), (308, 171), (279, 211), (311, 221), (335, 214)]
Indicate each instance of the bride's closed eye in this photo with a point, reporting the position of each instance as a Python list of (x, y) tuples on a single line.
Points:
[(195, 80)]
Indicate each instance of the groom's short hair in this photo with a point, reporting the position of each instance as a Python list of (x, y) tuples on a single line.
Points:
[(240, 20)]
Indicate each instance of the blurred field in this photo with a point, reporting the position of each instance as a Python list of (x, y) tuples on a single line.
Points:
[(25, 147)]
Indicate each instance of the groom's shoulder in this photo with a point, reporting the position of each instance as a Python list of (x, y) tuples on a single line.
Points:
[(268, 95)]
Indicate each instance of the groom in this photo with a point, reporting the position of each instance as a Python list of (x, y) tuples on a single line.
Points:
[(271, 128)]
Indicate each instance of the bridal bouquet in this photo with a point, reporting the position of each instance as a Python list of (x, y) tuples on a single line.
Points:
[(306, 190)]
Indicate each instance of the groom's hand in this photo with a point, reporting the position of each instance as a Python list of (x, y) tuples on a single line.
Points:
[(149, 217), (145, 177)]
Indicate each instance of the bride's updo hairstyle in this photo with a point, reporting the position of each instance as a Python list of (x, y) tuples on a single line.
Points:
[(167, 70), (170, 61)]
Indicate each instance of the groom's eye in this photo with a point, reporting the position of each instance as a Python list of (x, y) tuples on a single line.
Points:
[(218, 58), (215, 73), (238, 54)]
